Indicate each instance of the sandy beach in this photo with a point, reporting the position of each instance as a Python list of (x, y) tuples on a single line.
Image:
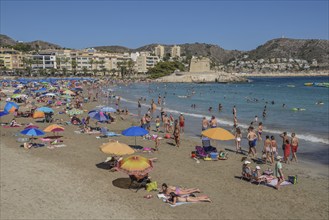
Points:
[(65, 183)]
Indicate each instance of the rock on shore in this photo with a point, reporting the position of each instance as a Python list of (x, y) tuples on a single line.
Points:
[(205, 77)]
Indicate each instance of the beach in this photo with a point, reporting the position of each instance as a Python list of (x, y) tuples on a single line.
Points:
[(65, 183)]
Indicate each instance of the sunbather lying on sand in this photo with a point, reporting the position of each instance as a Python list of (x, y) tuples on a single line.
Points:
[(179, 191), (173, 198)]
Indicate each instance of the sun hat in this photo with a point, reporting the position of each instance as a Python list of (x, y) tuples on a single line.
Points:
[(247, 162), (257, 168)]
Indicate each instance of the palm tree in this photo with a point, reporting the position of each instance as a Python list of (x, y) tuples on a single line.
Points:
[(74, 66), (85, 71)]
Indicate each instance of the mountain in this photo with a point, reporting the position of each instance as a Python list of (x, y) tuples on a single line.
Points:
[(113, 49), (292, 48), (6, 41)]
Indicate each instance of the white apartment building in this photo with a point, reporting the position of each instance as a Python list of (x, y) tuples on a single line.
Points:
[(159, 51), (46, 60), (175, 51)]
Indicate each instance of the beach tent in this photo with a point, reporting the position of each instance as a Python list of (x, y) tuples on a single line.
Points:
[(3, 113), (38, 114), (11, 107), (45, 109)]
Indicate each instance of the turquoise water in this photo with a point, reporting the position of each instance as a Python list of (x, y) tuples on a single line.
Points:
[(311, 125)]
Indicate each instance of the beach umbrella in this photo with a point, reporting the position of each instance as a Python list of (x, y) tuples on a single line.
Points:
[(68, 92), (45, 109), (3, 113), (218, 134), (134, 131), (75, 111), (99, 116), (38, 114), (116, 148), (31, 126), (135, 165), (50, 94), (54, 128), (11, 107), (32, 132), (108, 109)]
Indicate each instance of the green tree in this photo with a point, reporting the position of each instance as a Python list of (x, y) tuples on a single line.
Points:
[(165, 68), (74, 66)]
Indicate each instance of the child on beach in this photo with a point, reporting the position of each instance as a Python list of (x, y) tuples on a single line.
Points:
[(238, 137), (157, 123)]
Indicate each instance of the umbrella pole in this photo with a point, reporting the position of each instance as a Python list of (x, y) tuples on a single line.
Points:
[(135, 142)]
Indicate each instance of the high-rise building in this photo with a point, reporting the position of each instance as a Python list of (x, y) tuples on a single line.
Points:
[(145, 61), (159, 51), (175, 51)]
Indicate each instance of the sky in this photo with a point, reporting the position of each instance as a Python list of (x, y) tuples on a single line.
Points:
[(241, 25)]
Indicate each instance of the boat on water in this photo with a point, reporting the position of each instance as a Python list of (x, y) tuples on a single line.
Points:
[(322, 84), (291, 86), (308, 84)]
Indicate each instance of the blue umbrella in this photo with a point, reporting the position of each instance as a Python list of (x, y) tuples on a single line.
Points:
[(134, 131), (32, 132), (3, 113), (108, 109), (99, 116), (45, 109)]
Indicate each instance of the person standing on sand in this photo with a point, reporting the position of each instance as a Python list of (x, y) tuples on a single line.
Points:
[(235, 122), (284, 137), (274, 150), (238, 137), (157, 123), (278, 172), (286, 151), (205, 124), (213, 122), (268, 149), (181, 122), (260, 130), (252, 140), (294, 146), (177, 135)]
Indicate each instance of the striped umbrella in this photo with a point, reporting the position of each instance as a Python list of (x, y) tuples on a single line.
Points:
[(32, 132)]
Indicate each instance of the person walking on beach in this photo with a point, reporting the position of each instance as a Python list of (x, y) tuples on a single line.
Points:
[(238, 137), (205, 124), (294, 146), (252, 140), (181, 122), (157, 123), (278, 172)]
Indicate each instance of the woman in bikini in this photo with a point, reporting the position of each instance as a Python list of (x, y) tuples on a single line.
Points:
[(274, 146), (177, 190), (238, 137), (267, 149), (174, 198)]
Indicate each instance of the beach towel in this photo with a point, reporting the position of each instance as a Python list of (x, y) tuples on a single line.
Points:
[(180, 203), (275, 181)]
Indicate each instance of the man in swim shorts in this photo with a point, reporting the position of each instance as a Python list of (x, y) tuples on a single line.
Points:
[(252, 140)]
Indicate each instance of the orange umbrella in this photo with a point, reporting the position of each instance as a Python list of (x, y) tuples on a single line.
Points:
[(116, 148), (135, 165), (38, 114), (218, 134), (54, 128)]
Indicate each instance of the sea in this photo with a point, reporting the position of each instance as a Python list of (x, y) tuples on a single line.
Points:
[(290, 107)]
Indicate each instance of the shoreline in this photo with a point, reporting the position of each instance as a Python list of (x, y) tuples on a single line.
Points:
[(292, 75)]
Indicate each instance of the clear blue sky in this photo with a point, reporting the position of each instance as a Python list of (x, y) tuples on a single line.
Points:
[(241, 25)]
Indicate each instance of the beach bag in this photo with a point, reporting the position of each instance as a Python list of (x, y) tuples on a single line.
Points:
[(152, 186), (292, 179), (167, 136)]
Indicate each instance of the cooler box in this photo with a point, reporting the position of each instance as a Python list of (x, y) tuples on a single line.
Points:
[(214, 155)]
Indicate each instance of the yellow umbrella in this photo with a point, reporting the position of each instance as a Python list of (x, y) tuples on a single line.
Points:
[(38, 114), (218, 134), (116, 148), (135, 165), (54, 128), (69, 92)]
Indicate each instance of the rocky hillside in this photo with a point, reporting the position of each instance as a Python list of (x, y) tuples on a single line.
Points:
[(292, 48), (6, 41)]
